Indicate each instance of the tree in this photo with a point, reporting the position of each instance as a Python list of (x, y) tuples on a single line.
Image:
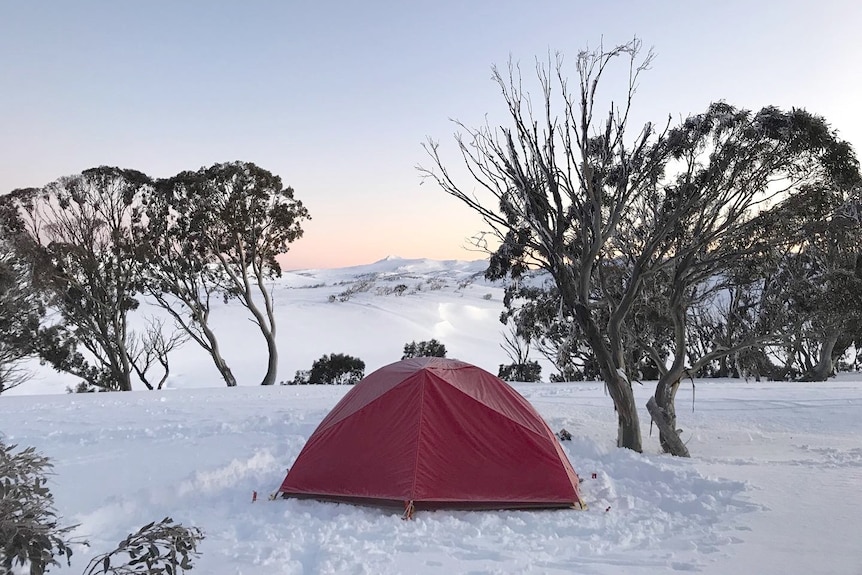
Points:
[(218, 232), (818, 275), (431, 348), (606, 214), (75, 233), (730, 166), (559, 186), (154, 348)]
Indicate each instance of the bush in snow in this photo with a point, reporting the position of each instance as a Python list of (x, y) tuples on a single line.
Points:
[(163, 548), (431, 348), (82, 387), (361, 285), (30, 532), (335, 369), (530, 371)]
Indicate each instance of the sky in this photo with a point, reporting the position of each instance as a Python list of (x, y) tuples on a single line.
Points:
[(338, 97)]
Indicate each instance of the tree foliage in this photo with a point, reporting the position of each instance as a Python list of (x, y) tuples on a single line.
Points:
[(22, 317), (76, 234), (430, 348)]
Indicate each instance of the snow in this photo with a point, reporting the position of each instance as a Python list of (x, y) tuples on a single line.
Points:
[(773, 485)]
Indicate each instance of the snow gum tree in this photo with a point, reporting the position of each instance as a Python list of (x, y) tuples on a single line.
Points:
[(728, 168), (217, 232), (561, 178), (816, 277), (624, 221), (75, 233)]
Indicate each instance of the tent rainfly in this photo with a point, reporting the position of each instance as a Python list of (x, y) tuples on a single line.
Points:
[(430, 433)]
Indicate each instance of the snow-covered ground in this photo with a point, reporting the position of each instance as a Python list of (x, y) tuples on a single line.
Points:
[(774, 484)]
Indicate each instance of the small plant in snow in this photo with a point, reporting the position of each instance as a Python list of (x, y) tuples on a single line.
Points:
[(30, 533), (359, 286), (463, 284), (163, 548), (82, 387)]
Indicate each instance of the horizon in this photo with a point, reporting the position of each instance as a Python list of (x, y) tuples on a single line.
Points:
[(374, 261), (338, 102)]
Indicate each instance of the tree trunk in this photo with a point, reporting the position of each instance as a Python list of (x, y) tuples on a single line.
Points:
[(272, 361), (664, 412), (220, 363), (266, 323), (823, 369), (628, 422), (665, 416), (671, 441), (619, 387), (224, 370)]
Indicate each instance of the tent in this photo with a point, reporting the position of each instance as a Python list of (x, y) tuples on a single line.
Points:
[(431, 433)]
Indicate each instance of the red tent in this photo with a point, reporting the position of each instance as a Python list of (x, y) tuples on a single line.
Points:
[(432, 433)]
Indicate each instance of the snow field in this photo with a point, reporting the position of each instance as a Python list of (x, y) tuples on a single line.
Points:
[(198, 454), (774, 484)]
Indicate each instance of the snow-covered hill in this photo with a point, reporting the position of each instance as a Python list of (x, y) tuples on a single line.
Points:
[(367, 311), (773, 486)]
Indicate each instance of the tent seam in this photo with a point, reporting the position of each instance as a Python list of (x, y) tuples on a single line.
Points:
[(418, 440)]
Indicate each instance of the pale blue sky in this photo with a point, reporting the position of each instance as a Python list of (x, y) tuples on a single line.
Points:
[(336, 97)]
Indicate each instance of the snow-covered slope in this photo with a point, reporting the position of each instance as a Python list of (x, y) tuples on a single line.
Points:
[(359, 310), (773, 485)]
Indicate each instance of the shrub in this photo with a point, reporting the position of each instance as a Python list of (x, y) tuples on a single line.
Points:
[(335, 369), (158, 548), (435, 284), (301, 378), (528, 372), (570, 372), (431, 348), (361, 285), (30, 534), (82, 387), (29, 527)]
